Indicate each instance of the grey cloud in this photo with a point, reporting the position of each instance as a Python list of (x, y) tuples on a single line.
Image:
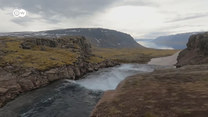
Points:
[(59, 8), (23, 21), (139, 3), (174, 29), (188, 17)]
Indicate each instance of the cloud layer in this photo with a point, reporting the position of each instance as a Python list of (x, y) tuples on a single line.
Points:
[(141, 18)]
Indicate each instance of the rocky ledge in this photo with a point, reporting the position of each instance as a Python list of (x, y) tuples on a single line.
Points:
[(30, 63), (196, 51)]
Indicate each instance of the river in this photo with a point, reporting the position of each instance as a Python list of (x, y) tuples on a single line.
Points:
[(66, 98)]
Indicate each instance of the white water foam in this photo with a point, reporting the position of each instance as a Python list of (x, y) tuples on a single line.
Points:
[(109, 78)]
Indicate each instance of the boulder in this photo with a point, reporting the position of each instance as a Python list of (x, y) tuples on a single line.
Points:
[(26, 84)]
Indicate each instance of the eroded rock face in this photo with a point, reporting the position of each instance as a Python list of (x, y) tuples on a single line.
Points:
[(196, 51), (63, 42), (30, 43), (12, 84)]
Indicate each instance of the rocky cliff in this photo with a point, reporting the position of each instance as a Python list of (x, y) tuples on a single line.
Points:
[(30, 63), (196, 51)]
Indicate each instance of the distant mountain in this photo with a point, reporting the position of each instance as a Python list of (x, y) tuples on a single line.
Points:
[(144, 40), (148, 43), (99, 37), (177, 41)]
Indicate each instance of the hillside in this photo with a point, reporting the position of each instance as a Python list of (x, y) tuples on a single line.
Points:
[(177, 41), (196, 51), (98, 37), (163, 93), (131, 55)]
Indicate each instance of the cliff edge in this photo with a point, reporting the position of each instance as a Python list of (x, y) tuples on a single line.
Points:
[(196, 51)]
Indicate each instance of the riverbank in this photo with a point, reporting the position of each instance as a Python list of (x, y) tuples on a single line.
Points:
[(165, 61), (132, 55), (164, 93), (51, 101), (66, 98), (30, 63)]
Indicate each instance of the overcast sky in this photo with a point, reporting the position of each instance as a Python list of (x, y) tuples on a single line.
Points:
[(140, 18)]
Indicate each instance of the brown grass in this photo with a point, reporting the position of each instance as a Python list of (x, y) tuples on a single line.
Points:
[(131, 55), (163, 93), (36, 58)]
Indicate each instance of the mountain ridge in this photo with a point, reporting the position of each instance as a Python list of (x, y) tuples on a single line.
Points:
[(176, 41), (99, 37)]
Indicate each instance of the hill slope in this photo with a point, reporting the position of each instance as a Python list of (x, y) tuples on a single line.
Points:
[(177, 41), (164, 93), (99, 37)]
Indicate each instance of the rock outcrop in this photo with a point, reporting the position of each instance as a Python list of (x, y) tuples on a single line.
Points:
[(196, 51), (28, 70), (66, 42)]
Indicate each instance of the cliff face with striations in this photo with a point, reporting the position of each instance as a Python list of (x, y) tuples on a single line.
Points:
[(30, 63), (196, 51)]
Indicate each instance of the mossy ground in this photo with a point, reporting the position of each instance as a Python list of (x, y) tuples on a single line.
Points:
[(131, 55), (39, 57), (95, 59)]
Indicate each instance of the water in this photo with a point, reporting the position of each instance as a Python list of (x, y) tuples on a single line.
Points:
[(60, 99), (151, 44), (67, 98), (109, 78)]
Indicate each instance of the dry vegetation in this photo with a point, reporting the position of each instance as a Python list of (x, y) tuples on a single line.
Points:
[(44, 57), (39, 57), (163, 93), (131, 55), (95, 59)]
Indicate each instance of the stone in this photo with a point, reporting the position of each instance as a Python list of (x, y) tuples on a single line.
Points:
[(3, 91), (26, 84), (77, 72)]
